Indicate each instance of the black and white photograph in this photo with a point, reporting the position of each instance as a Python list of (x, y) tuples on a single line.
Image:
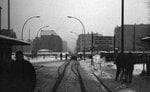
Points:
[(74, 45)]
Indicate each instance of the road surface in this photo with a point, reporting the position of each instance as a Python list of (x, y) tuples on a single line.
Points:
[(65, 76)]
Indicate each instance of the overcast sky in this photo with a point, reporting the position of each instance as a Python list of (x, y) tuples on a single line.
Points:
[(100, 16)]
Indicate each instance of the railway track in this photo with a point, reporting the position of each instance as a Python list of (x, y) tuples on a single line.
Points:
[(76, 71), (61, 73), (64, 78), (101, 82)]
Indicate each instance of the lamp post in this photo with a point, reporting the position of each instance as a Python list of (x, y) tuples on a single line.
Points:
[(37, 46), (40, 30), (0, 16), (25, 24), (9, 15), (83, 30), (122, 26), (74, 33)]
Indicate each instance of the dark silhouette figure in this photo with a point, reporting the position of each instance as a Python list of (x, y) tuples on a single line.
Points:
[(74, 57), (119, 65), (6, 76), (129, 67), (60, 56), (66, 56), (23, 74)]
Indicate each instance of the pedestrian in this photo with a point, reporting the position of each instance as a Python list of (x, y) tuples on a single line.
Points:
[(6, 79), (60, 56), (66, 56), (119, 65), (129, 67), (124, 63), (23, 74)]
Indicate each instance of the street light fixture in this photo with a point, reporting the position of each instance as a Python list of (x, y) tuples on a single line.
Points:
[(0, 16), (37, 37), (74, 33), (25, 24), (122, 26), (83, 30), (40, 30)]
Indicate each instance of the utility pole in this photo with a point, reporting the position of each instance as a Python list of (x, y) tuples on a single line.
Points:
[(92, 48), (114, 40), (122, 27), (9, 15), (0, 16), (29, 34), (134, 38)]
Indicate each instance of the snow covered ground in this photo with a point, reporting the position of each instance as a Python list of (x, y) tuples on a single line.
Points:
[(108, 77), (137, 67), (44, 59)]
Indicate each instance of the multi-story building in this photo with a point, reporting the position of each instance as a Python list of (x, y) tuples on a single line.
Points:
[(65, 46), (100, 42), (9, 33), (48, 40), (81, 42), (136, 38), (103, 43), (133, 35)]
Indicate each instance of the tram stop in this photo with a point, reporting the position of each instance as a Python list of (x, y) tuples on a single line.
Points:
[(6, 45)]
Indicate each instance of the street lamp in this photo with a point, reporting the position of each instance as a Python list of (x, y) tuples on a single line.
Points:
[(40, 30), (74, 33), (83, 30), (122, 26), (25, 23), (0, 16), (36, 38)]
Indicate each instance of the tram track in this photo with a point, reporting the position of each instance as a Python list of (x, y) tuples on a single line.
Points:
[(76, 71), (101, 82), (60, 75)]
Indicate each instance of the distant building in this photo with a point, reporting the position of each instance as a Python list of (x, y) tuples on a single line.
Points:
[(9, 33), (7, 43), (48, 40), (28, 48), (133, 35), (100, 42), (65, 46), (87, 42), (103, 43)]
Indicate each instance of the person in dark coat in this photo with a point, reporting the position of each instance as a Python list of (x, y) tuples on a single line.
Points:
[(66, 56), (119, 65), (129, 67), (60, 56), (6, 84), (24, 74)]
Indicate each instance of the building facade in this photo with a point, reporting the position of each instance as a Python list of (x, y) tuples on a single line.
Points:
[(48, 40), (100, 42), (87, 41), (103, 43), (65, 46), (133, 35)]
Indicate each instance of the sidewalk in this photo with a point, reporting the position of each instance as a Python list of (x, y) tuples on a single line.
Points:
[(139, 84)]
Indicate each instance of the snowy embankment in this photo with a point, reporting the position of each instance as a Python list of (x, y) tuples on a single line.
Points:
[(41, 59), (137, 67), (44, 59)]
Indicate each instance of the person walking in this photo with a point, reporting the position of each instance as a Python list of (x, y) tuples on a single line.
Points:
[(129, 67), (6, 79), (23, 74), (119, 65), (61, 56)]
